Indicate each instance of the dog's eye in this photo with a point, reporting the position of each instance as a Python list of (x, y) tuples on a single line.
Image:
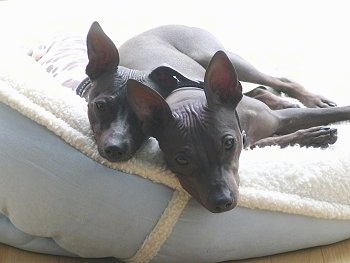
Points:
[(100, 105), (228, 142), (181, 159)]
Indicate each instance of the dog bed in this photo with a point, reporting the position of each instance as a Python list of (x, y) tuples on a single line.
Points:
[(58, 196)]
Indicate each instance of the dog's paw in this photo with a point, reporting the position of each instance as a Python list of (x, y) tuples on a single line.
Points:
[(319, 137), (307, 98), (318, 101)]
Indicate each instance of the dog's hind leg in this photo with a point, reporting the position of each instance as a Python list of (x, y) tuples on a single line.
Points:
[(202, 47), (248, 73)]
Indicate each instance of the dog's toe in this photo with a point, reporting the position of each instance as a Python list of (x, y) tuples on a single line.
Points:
[(324, 137)]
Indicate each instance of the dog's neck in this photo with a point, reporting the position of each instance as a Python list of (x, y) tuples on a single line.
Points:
[(122, 74), (83, 88)]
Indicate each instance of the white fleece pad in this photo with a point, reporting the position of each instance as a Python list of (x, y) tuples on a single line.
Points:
[(311, 182)]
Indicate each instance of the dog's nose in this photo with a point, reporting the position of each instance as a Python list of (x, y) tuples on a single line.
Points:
[(116, 152), (223, 205), (222, 202)]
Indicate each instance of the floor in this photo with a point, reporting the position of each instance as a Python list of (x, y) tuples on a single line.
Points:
[(335, 253)]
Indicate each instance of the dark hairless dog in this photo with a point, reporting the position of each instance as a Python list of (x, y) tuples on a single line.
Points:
[(202, 133)]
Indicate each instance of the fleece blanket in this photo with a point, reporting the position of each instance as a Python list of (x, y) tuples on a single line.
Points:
[(311, 182)]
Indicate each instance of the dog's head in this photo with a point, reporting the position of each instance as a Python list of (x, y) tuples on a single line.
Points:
[(199, 133), (115, 126)]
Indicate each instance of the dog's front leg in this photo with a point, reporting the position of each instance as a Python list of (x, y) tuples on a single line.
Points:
[(320, 137)]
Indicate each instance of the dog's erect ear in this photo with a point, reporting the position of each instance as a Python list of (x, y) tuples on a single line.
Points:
[(221, 83), (149, 106), (102, 53)]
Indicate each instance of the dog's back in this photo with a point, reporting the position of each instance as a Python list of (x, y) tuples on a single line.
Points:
[(170, 44)]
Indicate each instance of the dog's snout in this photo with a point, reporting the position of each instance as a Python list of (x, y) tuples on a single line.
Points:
[(116, 152), (222, 202)]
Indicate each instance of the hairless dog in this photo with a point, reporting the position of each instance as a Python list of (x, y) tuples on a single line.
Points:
[(186, 51), (202, 132)]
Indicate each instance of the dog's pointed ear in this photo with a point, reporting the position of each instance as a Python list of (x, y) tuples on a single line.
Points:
[(102, 53), (149, 106), (221, 83)]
